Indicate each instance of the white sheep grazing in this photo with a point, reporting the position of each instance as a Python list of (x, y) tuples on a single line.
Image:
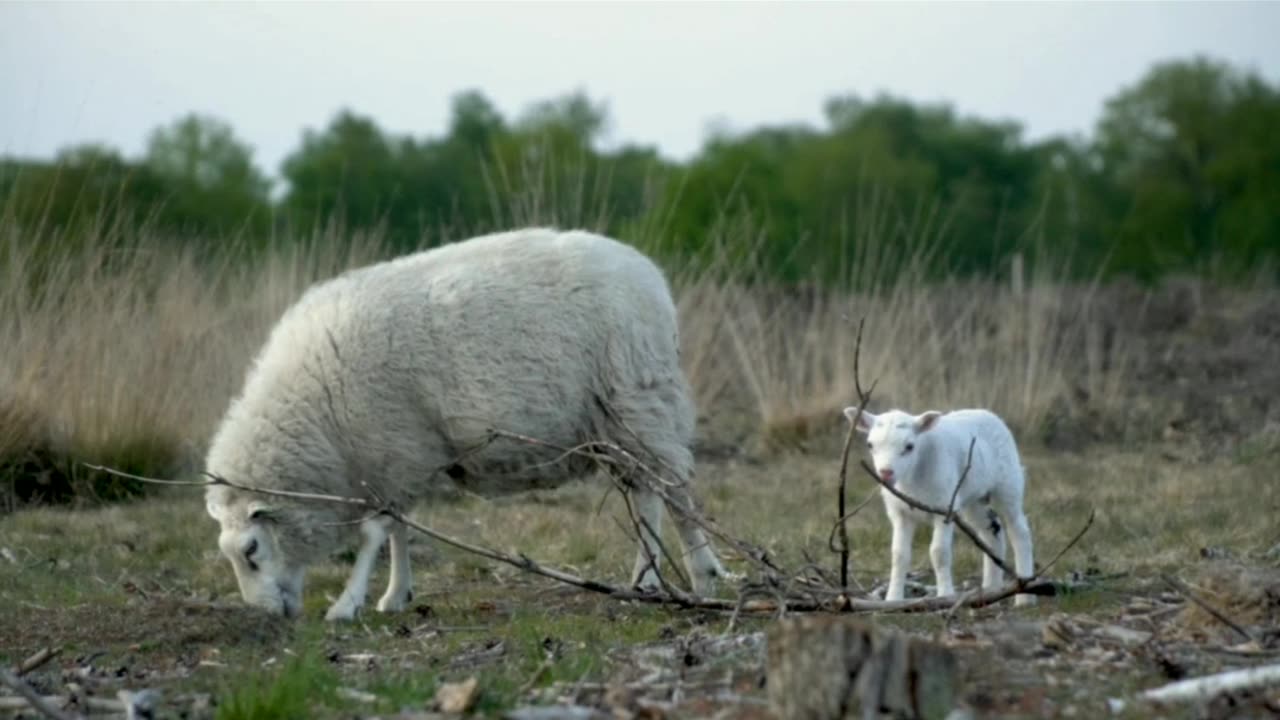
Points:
[(377, 379), (923, 456)]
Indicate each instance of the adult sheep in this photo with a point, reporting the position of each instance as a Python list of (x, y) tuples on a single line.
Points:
[(376, 380)]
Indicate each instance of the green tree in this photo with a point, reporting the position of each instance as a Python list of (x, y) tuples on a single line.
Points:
[(212, 185), (1192, 150)]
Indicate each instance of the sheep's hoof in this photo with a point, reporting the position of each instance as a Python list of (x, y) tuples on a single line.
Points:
[(343, 609), (707, 580), (391, 603)]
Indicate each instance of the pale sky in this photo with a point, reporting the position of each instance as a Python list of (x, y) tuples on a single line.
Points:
[(110, 72)]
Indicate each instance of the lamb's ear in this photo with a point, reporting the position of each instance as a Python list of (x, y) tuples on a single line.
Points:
[(862, 423), (261, 512), (926, 421)]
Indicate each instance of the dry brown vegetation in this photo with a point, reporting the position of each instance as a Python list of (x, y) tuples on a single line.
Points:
[(1160, 408)]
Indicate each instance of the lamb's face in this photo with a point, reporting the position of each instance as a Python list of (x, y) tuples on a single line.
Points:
[(251, 541), (892, 438)]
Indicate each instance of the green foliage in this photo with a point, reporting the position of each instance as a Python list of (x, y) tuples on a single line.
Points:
[(302, 683), (1182, 174)]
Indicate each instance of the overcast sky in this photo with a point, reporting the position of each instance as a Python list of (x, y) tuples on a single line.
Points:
[(110, 72)]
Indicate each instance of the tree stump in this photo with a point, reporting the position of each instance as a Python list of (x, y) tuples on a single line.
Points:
[(827, 666)]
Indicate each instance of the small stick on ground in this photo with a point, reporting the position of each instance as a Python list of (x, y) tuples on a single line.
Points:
[(32, 697), (42, 656), (1217, 614)]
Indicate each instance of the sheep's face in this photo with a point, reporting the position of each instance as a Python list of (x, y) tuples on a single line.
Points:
[(268, 575), (893, 438)]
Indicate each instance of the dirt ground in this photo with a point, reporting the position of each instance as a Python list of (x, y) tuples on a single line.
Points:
[(1184, 483)]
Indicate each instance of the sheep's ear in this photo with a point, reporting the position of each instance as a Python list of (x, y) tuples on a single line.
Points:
[(261, 512), (862, 422), (927, 420)]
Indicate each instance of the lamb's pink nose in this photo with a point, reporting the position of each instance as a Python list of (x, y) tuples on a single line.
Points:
[(886, 474)]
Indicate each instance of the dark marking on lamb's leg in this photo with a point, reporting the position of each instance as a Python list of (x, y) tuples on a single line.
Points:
[(455, 471), (993, 521)]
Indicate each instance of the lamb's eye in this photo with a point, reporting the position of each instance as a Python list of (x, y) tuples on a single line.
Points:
[(908, 448), (249, 550)]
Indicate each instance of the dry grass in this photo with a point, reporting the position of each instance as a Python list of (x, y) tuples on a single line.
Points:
[(125, 350), (128, 346)]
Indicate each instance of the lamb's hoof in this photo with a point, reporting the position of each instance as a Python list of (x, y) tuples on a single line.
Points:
[(647, 583), (342, 610), (390, 603), (1024, 600)]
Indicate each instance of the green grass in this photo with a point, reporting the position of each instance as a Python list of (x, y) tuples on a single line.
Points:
[(136, 580)]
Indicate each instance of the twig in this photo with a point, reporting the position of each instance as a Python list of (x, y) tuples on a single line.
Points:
[(1044, 569), (1182, 588), (41, 657), (968, 465), (31, 696), (831, 536)]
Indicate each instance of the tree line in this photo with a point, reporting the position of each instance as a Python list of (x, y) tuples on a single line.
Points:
[(1180, 174)]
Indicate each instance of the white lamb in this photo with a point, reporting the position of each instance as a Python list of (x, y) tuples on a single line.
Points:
[(923, 456), (377, 379)]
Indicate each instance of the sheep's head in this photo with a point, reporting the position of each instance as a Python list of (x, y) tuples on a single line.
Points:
[(259, 540), (892, 437)]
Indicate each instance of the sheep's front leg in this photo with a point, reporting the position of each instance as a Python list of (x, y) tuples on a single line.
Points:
[(400, 587), (940, 554), (904, 529), (705, 569), (353, 595), (647, 508)]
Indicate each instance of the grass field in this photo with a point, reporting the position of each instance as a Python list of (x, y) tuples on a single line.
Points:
[(1158, 409)]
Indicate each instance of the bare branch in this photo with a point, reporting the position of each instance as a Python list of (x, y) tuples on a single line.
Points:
[(41, 657), (31, 696), (1218, 615), (841, 515), (968, 465)]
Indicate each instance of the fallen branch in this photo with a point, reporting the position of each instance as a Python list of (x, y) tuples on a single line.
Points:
[(42, 656), (1218, 615), (31, 697), (1207, 687)]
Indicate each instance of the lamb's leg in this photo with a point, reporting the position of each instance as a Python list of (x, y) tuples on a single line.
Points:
[(400, 587), (353, 595), (1023, 560), (648, 519), (940, 554), (989, 526), (904, 529)]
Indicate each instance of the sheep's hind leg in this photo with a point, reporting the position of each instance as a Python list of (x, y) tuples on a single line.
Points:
[(400, 587), (353, 595)]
